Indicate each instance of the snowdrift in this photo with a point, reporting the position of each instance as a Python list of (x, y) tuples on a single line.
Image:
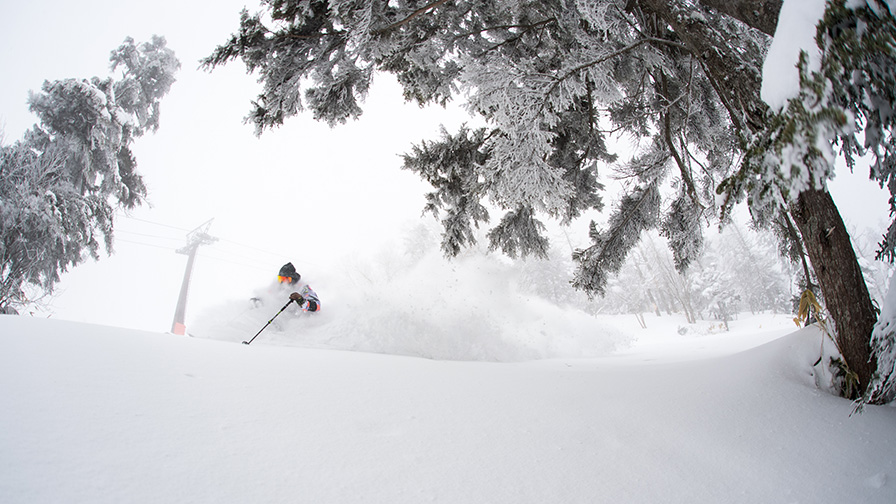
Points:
[(95, 414)]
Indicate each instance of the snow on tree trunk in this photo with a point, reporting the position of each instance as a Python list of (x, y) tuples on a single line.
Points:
[(882, 388)]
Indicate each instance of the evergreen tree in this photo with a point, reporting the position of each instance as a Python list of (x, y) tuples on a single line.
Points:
[(59, 185), (553, 78), (848, 102)]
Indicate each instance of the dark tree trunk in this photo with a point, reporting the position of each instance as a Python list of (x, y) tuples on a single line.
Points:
[(840, 278), (759, 14)]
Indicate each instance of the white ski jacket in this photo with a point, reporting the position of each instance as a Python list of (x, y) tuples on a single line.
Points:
[(312, 302)]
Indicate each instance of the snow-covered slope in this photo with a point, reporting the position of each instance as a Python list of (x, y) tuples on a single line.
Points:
[(93, 414)]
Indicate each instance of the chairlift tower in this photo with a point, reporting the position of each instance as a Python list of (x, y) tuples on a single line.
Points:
[(195, 238)]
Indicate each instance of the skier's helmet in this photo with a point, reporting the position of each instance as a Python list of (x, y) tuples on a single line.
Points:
[(288, 274)]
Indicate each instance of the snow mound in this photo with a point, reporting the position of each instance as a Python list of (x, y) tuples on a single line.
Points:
[(102, 415)]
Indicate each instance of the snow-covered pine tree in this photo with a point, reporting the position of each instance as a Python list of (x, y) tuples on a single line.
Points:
[(681, 77), (716, 291), (848, 101), (677, 286), (753, 270), (60, 183), (43, 223), (858, 76), (552, 80), (632, 289)]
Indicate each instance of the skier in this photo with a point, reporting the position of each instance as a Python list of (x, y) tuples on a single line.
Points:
[(304, 296)]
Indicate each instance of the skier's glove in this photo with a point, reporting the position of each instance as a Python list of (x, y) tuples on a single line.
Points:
[(295, 296)]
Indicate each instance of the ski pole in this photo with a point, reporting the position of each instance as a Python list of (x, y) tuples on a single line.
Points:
[(269, 323)]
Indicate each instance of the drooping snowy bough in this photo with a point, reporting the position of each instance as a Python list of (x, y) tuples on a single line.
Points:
[(553, 80)]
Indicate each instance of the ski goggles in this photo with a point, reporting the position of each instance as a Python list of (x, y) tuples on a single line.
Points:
[(282, 279)]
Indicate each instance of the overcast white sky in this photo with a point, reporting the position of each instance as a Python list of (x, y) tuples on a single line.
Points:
[(304, 192)]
